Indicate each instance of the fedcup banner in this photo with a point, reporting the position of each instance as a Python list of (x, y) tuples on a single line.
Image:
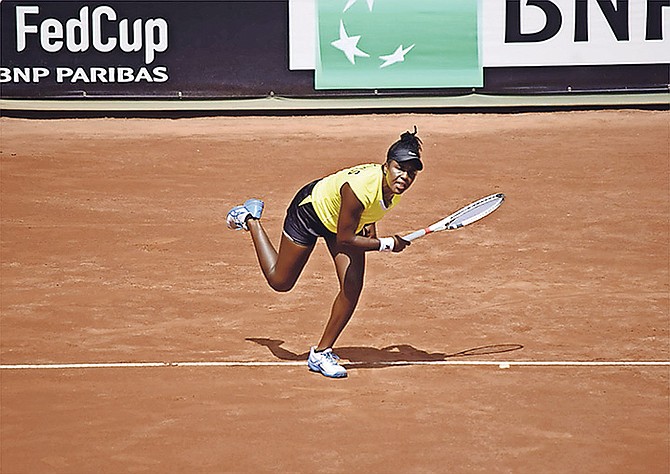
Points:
[(237, 49), (369, 44)]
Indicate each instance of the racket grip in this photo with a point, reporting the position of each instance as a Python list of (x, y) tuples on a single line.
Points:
[(414, 235)]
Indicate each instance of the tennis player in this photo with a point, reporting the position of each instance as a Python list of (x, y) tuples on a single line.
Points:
[(343, 208)]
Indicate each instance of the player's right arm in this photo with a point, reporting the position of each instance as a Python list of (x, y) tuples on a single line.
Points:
[(349, 217)]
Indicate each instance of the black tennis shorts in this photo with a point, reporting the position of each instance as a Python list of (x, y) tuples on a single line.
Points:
[(301, 224)]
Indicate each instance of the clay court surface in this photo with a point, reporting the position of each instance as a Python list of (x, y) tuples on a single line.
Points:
[(114, 249)]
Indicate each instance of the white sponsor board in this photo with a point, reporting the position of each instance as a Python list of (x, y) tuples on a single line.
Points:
[(302, 34), (586, 33)]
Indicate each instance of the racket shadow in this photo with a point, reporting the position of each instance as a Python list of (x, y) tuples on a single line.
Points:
[(371, 357)]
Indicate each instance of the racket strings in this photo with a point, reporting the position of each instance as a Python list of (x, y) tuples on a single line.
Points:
[(475, 212)]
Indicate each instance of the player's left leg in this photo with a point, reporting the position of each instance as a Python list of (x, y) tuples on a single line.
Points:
[(350, 267)]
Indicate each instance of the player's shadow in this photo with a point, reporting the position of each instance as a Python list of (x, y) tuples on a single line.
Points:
[(371, 357)]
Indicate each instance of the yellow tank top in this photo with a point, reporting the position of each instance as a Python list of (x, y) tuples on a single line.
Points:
[(366, 183)]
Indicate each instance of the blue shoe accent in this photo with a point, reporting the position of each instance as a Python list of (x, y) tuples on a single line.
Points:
[(255, 207)]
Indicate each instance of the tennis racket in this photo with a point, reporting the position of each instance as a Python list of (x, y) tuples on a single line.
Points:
[(464, 216)]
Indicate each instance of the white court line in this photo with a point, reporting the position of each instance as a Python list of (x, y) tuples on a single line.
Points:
[(112, 365)]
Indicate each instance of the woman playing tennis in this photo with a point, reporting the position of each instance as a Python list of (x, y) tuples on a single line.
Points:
[(343, 208)]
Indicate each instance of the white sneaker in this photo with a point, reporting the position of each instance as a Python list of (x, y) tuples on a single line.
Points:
[(237, 218), (326, 363)]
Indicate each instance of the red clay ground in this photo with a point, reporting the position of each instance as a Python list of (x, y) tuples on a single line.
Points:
[(114, 249)]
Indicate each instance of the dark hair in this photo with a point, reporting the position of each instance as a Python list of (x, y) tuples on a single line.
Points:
[(405, 149)]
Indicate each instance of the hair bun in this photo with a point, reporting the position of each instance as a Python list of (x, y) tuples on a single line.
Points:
[(409, 136)]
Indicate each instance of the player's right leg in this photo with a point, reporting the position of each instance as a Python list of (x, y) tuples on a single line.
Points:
[(281, 269)]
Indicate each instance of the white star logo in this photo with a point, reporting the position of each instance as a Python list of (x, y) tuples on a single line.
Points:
[(351, 2), (398, 56), (349, 45)]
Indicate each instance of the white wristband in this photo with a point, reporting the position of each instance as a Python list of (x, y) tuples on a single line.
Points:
[(386, 244)]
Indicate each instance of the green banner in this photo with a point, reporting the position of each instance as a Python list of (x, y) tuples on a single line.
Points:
[(374, 44)]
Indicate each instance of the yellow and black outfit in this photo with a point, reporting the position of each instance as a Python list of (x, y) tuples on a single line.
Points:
[(315, 209)]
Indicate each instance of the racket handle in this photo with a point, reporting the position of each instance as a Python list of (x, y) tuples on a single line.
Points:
[(414, 235)]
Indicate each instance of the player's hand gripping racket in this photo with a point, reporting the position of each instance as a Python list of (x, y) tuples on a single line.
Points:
[(464, 216)]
